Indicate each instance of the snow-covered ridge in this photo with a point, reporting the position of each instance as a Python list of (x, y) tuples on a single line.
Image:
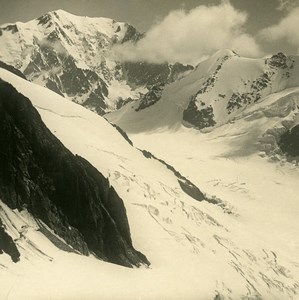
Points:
[(74, 199), (71, 55), (63, 26), (214, 93), (232, 255), (67, 54), (107, 26)]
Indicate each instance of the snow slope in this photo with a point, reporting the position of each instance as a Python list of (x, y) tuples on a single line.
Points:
[(39, 29), (67, 53), (71, 55), (214, 93), (238, 247), (241, 163)]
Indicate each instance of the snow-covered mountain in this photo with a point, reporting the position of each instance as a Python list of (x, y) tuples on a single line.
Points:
[(211, 226), (198, 170), (217, 91), (71, 55), (62, 190), (231, 126)]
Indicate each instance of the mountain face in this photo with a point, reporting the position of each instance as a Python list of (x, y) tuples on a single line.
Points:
[(63, 190), (220, 100), (71, 56), (199, 169), (189, 195), (217, 91)]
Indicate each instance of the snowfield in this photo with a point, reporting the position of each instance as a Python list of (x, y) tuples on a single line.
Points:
[(70, 55), (75, 26), (216, 92), (75, 57), (244, 245)]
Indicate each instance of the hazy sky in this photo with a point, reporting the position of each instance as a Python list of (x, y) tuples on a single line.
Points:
[(140, 13), (265, 26)]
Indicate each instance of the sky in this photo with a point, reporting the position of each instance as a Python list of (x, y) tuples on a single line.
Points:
[(251, 27)]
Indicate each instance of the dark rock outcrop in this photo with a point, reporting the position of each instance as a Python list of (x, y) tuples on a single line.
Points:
[(96, 99), (155, 77), (199, 117), (289, 142), (131, 35), (238, 100), (122, 132), (7, 244), (203, 116), (151, 97), (51, 85), (186, 185), (12, 69), (63, 190), (149, 74), (278, 60), (72, 60)]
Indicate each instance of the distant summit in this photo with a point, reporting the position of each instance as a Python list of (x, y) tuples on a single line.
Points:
[(217, 91), (71, 55)]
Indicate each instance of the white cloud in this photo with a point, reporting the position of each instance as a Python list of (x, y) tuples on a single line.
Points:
[(287, 29), (56, 45), (189, 36)]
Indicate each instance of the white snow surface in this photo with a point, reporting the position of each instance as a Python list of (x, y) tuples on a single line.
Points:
[(86, 40), (219, 77), (246, 249), (79, 32)]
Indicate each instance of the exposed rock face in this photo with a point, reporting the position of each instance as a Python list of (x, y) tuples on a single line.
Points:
[(186, 185), (123, 133), (7, 245), (289, 142), (199, 117), (151, 97), (132, 34), (146, 74), (12, 69), (239, 100), (279, 60), (155, 77), (63, 190), (71, 56), (219, 98)]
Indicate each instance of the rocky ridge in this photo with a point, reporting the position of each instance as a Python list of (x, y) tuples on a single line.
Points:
[(205, 106), (63, 190), (215, 93), (71, 56)]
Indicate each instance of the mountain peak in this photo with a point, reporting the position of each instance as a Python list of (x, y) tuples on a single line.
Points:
[(224, 53), (63, 14), (60, 13)]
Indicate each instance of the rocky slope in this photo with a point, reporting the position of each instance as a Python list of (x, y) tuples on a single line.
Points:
[(247, 82), (63, 190), (289, 142), (227, 244), (217, 91), (71, 56)]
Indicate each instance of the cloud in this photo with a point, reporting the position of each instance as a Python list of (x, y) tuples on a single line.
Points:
[(190, 36), (56, 45), (286, 29), (287, 4)]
